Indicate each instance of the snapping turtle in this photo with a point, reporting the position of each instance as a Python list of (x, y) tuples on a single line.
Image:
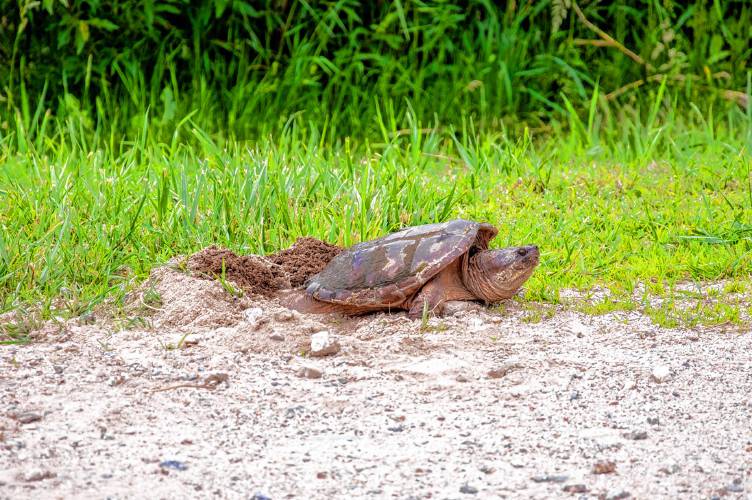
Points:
[(421, 266)]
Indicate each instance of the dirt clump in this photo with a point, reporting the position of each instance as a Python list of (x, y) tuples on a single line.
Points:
[(306, 257), (289, 268), (254, 274)]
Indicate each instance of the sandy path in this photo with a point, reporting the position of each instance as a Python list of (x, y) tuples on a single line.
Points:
[(397, 413)]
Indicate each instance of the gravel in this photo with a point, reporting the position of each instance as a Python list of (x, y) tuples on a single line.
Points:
[(417, 414)]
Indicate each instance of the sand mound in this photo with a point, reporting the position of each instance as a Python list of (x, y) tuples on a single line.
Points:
[(288, 268), (175, 300)]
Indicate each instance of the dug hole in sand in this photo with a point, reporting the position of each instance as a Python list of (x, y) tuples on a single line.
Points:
[(199, 390)]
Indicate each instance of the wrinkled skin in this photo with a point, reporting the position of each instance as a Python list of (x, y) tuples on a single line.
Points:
[(418, 269), (497, 274), (489, 276)]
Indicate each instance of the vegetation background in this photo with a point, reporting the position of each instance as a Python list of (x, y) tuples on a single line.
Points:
[(245, 68), (615, 134)]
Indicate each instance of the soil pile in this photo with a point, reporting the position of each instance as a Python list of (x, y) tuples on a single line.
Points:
[(306, 257), (288, 268), (254, 274)]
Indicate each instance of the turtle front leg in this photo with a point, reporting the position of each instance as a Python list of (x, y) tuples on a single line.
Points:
[(430, 298), (445, 286)]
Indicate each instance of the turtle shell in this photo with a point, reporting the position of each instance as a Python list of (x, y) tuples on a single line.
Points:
[(387, 271)]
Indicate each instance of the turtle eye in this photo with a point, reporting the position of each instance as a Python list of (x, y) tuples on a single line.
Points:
[(521, 252)]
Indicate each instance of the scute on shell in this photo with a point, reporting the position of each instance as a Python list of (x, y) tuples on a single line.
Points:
[(386, 271)]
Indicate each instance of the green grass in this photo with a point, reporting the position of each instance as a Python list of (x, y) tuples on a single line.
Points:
[(131, 132), (617, 201)]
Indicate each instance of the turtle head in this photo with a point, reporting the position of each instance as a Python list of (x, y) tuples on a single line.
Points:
[(494, 275)]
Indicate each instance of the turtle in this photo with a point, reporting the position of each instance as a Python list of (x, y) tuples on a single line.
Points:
[(416, 268)]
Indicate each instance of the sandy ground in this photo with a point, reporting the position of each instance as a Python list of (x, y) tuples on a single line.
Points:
[(205, 395)]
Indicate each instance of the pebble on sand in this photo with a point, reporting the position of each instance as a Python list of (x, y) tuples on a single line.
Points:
[(253, 314), (277, 336), (503, 370), (660, 373), (37, 475), (173, 464), (468, 490), (28, 417), (636, 435), (284, 316), (309, 372), (550, 479), (604, 467), (575, 488), (324, 344)]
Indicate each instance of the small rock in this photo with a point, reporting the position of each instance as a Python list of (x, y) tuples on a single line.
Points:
[(38, 475), (619, 495), (636, 435), (660, 373), (28, 417), (461, 378), (575, 488), (253, 314), (260, 496), (468, 490), (654, 421), (117, 380), (503, 370), (694, 337), (457, 307), (673, 469), (549, 479), (277, 336), (604, 467), (309, 372), (574, 396), (294, 411), (734, 488), (283, 316), (321, 475), (173, 464), (324, 344), (477, 325), (487, 469)]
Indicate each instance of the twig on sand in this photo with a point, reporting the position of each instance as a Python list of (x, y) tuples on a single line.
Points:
[(211, 382)]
